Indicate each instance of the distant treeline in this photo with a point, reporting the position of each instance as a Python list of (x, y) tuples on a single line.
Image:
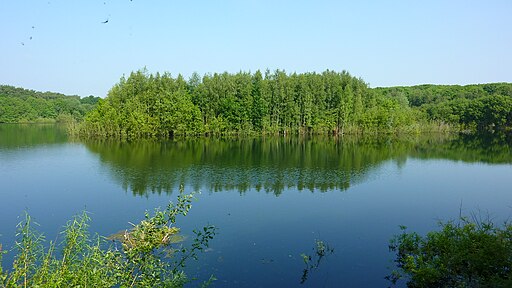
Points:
[(18, 105), (470, 107), (146, 105)]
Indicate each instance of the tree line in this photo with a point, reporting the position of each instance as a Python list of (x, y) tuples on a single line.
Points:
[(18, 105), (471, 107), (159, 105), (144, 105)]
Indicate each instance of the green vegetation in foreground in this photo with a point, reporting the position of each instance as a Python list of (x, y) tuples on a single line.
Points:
[(159, 106), (464, 254), (18, 105), (147, 257)]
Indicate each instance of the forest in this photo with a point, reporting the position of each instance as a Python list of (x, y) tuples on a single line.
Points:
[(484, 107), (145, 105), (18, 105)]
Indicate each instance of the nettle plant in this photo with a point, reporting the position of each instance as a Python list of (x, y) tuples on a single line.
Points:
[(148, 255)]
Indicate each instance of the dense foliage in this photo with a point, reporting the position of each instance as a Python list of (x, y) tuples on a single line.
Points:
[(18, 105), (148, 256), (143, 105), (464, 254), (473, 107)]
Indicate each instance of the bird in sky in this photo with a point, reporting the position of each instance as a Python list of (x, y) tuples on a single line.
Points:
[(105, 22)]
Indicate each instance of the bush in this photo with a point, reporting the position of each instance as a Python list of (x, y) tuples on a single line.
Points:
[(149, 256), (464, 254)]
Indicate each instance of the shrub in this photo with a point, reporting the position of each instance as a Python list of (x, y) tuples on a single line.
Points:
[(149, 254), (469, 253)]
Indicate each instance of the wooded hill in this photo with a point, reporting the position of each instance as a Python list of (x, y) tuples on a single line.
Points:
[(18, 105), (473, 107)]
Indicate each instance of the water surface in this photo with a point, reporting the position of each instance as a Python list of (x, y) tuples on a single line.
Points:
[(271, 198)]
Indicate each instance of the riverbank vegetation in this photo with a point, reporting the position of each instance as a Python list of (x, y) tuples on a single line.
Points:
[(467, 253), (145, 105), (148, 256), (18, 105)]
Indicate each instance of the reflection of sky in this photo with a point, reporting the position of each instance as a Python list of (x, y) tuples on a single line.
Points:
[(55, 182), (357, 223)]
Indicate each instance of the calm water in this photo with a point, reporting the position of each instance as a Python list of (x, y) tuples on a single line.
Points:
[(271, 198)]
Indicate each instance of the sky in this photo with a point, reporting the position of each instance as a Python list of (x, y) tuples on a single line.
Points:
[(65, 46)]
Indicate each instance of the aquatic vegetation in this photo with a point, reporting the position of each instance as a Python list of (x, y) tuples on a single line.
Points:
[(321, 249), (470, 253), (168, 235), (147, 258)]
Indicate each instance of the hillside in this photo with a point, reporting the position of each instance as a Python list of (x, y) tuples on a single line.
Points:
[(19, 105)]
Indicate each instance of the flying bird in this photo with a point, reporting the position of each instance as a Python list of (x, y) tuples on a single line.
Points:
[(105, 22)]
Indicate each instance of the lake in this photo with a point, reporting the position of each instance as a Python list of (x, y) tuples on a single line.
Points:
[(271, 198)]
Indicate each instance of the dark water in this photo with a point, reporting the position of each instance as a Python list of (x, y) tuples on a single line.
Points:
[(271, 198)]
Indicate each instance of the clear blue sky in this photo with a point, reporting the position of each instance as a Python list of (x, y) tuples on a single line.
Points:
[(386, 43)]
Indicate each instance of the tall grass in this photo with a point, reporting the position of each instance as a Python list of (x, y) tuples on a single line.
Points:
[(148, 256)]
